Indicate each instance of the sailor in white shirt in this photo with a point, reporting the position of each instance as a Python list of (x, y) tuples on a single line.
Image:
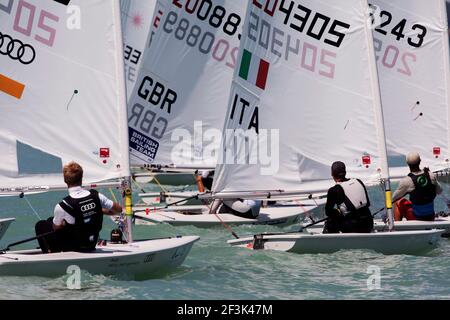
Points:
[(78, 218), (60, 216)]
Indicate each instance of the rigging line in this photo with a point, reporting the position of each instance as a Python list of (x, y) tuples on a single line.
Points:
[(157, 182), (29, 204), (138, 185), (307, 213), (113, 195), (222, 222), (226, 226)]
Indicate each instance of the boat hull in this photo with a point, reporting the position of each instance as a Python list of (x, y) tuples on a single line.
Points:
[(401, 242), (141, 259), (154, 198), (412, 225), (281, 215)]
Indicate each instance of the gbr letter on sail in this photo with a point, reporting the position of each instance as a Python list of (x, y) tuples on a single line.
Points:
[(177, 110), (307, 70)]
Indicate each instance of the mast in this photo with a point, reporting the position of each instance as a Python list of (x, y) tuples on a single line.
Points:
[(444, 19), (123, 134), (381, 135)]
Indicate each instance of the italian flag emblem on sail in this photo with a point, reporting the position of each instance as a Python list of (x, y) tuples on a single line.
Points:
[(254, 69)]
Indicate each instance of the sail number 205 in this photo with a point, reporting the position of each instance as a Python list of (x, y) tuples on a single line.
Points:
[(28, 18)]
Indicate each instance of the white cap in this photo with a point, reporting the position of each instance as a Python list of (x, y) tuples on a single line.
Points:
[(413, 158)]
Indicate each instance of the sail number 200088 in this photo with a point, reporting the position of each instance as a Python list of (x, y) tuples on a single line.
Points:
[(207, 26)]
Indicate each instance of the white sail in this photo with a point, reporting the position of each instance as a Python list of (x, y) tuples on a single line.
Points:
[(307, 83), (137, 18), (177, 110), (62, 92), (412, 50)]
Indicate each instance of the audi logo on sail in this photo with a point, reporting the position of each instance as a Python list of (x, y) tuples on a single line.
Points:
[(87, 207), (16, 49)]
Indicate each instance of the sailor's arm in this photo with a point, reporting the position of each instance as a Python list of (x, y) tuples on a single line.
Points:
[(109, 207), (330, 209), (58, 218), (199, 180), (405, 186), (115, 209)]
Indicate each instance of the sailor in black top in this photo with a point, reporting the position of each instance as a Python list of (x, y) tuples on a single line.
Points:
[(422, 187), (78, 219), (347, 204)]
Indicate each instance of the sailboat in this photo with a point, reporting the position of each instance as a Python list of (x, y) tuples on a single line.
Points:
[(178, 107), (62, 101), (308, 70), (412, 51)]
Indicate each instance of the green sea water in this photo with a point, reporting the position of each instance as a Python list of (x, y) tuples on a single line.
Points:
[(214, 270)]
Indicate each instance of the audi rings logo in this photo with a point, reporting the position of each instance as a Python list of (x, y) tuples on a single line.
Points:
[(88, 207), (16, 49)]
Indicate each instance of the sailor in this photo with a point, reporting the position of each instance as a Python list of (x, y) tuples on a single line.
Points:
[(422, 187), (204, 180), (78, 218), (347, 204), (248, 209)]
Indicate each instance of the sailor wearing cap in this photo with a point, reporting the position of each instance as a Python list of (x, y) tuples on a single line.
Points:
[(422, 187), (347, 204)]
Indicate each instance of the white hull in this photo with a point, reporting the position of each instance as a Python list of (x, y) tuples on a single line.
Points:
[(413, 225), (439, 223), (140, 259), (4, 224), (154, 198), (278, 215), (405, 242)]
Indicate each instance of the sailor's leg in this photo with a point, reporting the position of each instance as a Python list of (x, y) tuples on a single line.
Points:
[(42, 227), (404, 210), (332, 226)]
